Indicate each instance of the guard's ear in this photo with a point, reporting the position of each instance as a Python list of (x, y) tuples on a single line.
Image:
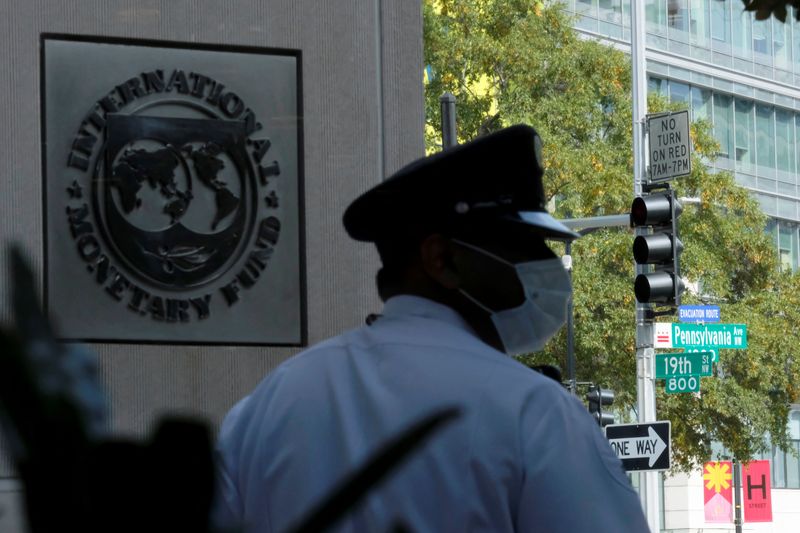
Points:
[(437, 261)]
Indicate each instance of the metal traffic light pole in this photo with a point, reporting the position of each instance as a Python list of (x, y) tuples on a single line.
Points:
[(584, 226), (447, 103), (645, 382)]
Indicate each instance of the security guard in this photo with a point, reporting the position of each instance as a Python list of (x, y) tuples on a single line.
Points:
[(467, 280)]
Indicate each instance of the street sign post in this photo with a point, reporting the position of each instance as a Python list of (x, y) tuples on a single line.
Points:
[(698, 313), (641, 446), (669, 145)]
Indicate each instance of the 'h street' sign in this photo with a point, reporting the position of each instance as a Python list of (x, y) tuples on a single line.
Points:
[(641, 446)]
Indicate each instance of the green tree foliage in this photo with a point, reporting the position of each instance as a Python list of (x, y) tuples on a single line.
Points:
[(766, 8), (512, 61)]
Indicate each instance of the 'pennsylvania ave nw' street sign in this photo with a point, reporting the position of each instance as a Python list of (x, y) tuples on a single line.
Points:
[(641, 446), (673, 335)]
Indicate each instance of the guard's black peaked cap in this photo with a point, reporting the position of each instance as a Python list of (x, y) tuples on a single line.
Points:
[(496, 178)]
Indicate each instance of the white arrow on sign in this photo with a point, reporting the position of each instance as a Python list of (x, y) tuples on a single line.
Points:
[(650, 447)]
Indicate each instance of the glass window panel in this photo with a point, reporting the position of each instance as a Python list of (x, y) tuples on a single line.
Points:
[(794, 425), (626, 13), (762, 183), (657, 68), (745, 133), (587, 14), (785, 260), (677, 15), (797, 139), (794, 41), (786, 188), (795, 247), (764, 96), (793, 468), (749, 180), (720, 21), (784, 140), (657, 85), (778, 468), (785, 236), (701, 103), (611, 10), (680, 73), (772, 231), (741, 33), (704, 79), (765, 136), (768, 203), (678, 92), (762, 35), (787, 209), (723, 85), (723, 124), (586, 7), (781, 45), (610, 15), (699, 23), (655, 12)]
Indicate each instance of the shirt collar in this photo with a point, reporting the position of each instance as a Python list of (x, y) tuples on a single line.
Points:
[(408, 305)]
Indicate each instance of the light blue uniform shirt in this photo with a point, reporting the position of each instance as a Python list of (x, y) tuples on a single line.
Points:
[(524, 456)]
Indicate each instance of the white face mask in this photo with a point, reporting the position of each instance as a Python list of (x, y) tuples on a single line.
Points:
[(527, 327)]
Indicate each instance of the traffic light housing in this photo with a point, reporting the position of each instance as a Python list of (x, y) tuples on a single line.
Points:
[(661, 248), (599, 398)]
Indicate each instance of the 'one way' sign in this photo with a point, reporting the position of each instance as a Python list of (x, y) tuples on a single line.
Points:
[(641, 446)]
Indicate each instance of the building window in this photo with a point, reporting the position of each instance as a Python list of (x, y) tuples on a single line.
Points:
[(657, 85), (795, 41), (720, 22), (765, 136), (723, 124), (745, 134), (786, 465), (784, 143), (762, 37), (742, 34), (787, 246), (782, 45), (676, 16), (699, 23), (655, 12), (678, 92), (701, 104)]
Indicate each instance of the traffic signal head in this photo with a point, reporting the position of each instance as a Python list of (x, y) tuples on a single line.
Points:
[(597, 398), (661, 248)]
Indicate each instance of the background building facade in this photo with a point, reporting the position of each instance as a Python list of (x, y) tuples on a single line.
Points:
[(742, 76)]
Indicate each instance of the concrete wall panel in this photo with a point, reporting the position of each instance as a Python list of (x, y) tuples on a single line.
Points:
[(363, 118)]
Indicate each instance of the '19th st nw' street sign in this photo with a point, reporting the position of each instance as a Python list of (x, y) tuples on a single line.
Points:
[(641, 446)]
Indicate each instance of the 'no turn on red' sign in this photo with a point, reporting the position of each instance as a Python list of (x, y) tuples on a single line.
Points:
[(670, 147)]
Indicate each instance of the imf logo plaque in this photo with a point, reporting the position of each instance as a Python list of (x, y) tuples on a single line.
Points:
[(175, 204)]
